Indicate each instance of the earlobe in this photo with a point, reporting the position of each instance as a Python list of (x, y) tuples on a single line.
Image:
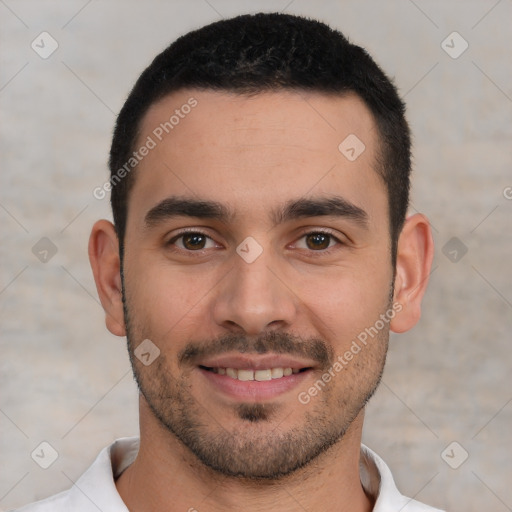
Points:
[(106, 268), (415, 252)]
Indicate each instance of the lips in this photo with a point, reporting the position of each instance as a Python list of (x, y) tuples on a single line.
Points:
[(243, 376), (254, 363)]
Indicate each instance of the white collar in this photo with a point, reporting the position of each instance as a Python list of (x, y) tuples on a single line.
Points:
[(96, 489)]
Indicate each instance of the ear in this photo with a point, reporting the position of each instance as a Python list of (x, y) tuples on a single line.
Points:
[(415, 252), (106, 267)]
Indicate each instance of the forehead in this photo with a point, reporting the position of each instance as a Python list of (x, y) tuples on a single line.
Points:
[(254, 151)]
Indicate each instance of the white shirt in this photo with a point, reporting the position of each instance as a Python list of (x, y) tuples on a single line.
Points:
[(96, 490)]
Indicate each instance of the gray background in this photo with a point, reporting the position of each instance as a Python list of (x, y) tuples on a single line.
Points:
[(67, 381)]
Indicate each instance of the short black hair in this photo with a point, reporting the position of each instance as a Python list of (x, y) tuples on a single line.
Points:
[(262, 52)]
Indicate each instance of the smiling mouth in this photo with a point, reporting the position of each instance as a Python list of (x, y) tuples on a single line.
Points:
[(258, 375)]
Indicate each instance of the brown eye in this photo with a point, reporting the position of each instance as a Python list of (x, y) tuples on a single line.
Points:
[(194, 241), (318, 241), (191, 241)]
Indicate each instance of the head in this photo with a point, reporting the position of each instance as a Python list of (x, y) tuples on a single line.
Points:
[(252, 54), (263, 226)]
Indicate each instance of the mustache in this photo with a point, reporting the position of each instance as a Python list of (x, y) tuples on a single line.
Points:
[(275, 342)]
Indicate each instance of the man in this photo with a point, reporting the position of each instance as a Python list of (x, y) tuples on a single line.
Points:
[(260, 254)]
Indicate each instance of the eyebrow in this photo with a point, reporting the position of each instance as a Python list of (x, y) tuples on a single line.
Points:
[(187, 207), (332, 206)]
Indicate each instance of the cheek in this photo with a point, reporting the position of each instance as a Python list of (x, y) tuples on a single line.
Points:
[(168, 301), (344, 303)]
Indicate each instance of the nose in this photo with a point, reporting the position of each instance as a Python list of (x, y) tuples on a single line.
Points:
[(254, 298)]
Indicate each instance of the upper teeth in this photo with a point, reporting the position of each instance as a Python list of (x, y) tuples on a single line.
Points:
[(268, 374)]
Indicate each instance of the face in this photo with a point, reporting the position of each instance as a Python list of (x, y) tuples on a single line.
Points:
[(256, 253)]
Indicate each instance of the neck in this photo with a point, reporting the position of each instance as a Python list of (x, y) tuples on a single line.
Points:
[(167, 477)]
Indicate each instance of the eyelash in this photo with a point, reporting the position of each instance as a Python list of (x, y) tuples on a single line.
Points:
[(200, 252)]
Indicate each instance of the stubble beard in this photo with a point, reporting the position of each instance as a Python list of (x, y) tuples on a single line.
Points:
[(249, 441)]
